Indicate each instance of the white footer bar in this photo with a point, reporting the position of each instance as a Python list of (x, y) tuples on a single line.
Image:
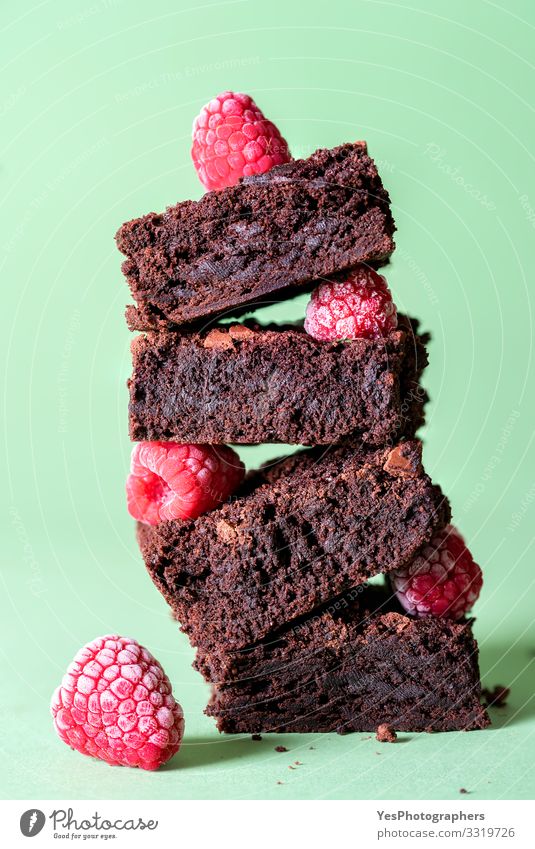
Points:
[(268, 825)]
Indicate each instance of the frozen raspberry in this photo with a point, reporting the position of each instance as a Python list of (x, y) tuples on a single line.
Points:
[(442, 581), (115, 703), (359, 306), (232, 138), (171, 481)]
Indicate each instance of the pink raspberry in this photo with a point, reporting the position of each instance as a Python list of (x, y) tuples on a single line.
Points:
[(115, 703), (443, 580), (170, 481), (357, 307), (232, 139)]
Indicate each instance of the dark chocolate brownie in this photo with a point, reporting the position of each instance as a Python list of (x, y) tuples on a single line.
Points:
[(298, 534), (250, 385), (296, 223), (353, 667)]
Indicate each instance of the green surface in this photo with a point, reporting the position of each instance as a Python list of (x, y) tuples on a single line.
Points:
[(97, 102)]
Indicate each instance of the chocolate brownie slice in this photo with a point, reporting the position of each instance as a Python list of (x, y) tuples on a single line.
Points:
[(296, 535), (353, 667), (249, 384), (296, 223)]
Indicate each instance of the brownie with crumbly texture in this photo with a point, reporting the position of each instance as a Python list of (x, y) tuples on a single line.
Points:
[(235, 247), (297, 534), (354, 667), (247, 384)]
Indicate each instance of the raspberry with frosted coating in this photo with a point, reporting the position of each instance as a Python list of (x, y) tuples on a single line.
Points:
[(357, 305), (115, 703), (169, 480), (443, 580)]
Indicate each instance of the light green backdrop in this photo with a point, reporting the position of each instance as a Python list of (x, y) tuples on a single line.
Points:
[(97, 100)]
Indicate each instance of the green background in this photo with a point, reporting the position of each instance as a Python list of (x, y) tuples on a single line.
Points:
[(96, 107)]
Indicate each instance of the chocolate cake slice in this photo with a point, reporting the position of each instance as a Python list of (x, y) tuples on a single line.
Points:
[(298, 534), (294, 224), (249, 384), (358, 664)]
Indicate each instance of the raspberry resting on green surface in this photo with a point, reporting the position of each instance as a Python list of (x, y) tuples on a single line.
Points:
[(115, 703)]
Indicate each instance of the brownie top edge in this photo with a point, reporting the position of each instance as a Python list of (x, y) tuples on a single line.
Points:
[(278, 173), (403, 460), (228, 334)]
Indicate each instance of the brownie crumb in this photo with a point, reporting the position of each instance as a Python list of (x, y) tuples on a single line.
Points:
[(386, 734), (298, 763), (240, 331), (496, 697), (256, 737), (281, 749), (218, 339), (464, 790), (404, 461), (280, 782)]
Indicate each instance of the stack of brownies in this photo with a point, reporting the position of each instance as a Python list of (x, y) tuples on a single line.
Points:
[(271, 586)]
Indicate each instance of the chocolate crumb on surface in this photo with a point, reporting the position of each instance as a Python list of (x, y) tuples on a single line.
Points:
[(281, 749), (496, 697), (256, 737), (385, 733), (464, 790)]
